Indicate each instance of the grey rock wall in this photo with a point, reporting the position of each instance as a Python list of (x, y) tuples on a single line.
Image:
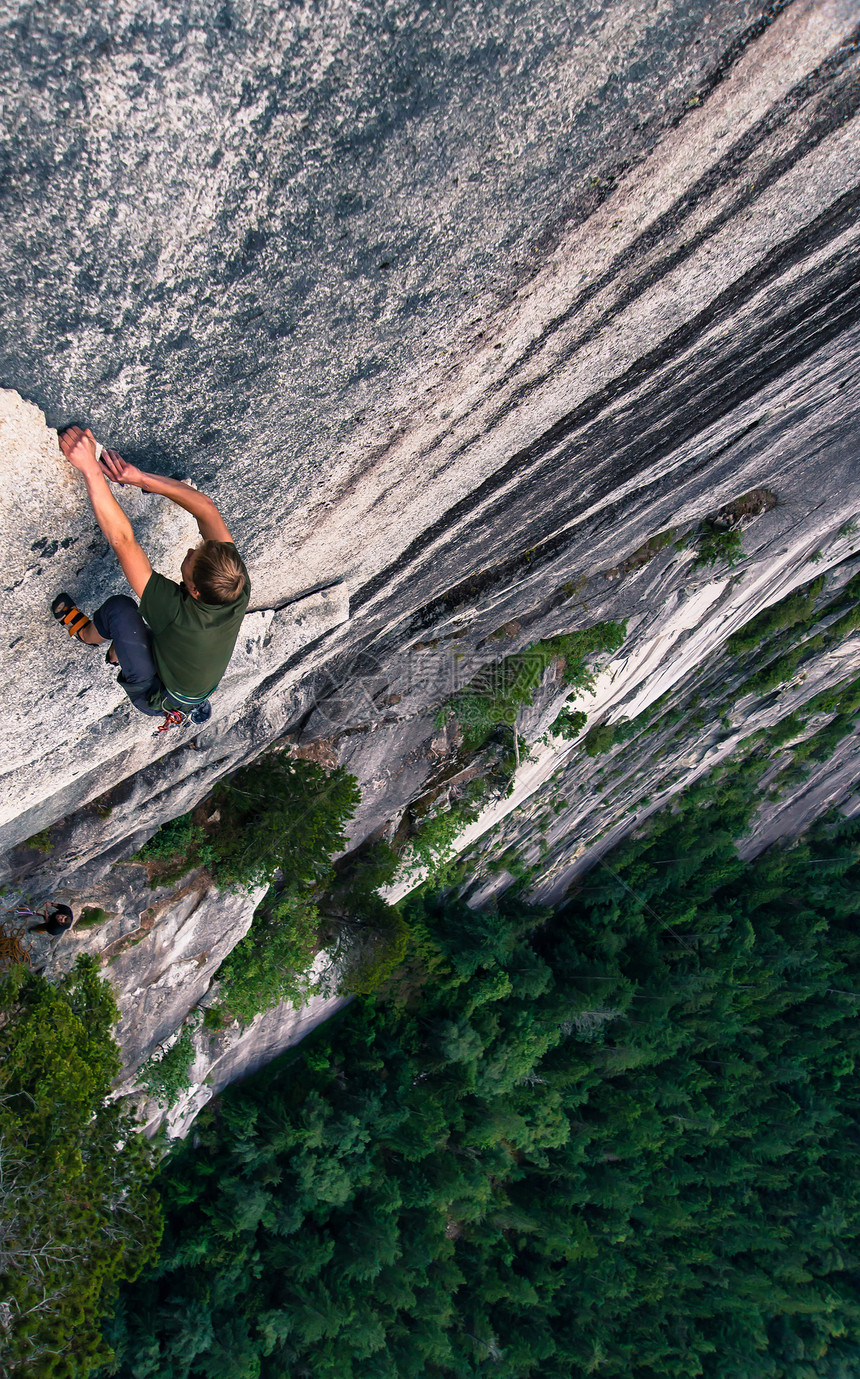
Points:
[(449, 308), (569, 809), (233, 231), (160, 947)]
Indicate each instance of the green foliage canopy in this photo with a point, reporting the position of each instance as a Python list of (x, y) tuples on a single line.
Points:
[(166, 1074), (795, 609), (274, 814), (719, 545), (271, 963), (619, 1139), (295, 823), (281, 814), (76, 1212), (496, 696)]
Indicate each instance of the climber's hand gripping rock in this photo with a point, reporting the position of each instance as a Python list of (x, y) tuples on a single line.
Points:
[(119, 471)]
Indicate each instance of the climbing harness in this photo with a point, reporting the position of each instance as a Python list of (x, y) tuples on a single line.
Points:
[(197, 711), (175, 718)]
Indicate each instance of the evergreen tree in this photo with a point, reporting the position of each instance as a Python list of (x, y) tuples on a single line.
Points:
[(617, 1139), (76, 1213)]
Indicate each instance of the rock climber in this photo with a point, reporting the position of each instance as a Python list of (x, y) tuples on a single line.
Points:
[(174, 648), (57, 919)]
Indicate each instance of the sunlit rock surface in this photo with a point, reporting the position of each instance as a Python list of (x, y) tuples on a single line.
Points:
[(450, 310)]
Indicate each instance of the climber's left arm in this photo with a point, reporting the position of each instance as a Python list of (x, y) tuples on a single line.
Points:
[(210, 523)]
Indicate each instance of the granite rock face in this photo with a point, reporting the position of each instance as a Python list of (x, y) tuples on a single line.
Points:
[(160, 947), (694, 715), (450, 309)]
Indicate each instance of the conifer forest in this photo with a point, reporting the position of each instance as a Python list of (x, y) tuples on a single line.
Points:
[(619, 1137)]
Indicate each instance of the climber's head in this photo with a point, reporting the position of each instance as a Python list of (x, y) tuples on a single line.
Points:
[(213, 572)]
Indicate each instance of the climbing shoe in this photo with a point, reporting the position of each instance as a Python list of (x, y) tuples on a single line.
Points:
[(66, 612)]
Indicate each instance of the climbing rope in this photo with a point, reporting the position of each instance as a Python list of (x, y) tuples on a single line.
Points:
[(12, 950)]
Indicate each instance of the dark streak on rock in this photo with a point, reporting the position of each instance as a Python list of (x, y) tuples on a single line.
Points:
[(824, 303), (841, 105)]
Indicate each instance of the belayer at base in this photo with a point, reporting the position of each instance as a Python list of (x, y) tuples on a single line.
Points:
[(174, 648)]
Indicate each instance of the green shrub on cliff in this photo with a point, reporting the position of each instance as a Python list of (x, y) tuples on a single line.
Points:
[(177, 848), (364, 935), (272, 962), (786, 729), (281, 814), (498, 693), (432, 844), (718, 545), (274, 814), (168, 1072), (76, 1212), (780, 669), (841, 698), (796, 609), (178, 838), (41, 841), (569, 723), (823, 742), (844, 626), (601, 738), (282, 820)]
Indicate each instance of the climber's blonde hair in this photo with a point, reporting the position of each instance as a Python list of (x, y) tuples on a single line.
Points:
[(217, 572)]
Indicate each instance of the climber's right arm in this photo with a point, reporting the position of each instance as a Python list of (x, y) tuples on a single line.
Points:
[(79, 448)]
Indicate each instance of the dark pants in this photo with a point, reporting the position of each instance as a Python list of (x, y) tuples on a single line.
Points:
[(119, 619)]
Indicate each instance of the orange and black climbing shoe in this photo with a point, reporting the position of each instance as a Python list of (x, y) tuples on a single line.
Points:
[(65, 611)]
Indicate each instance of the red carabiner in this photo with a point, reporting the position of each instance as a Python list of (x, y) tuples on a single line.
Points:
[(171, 720)]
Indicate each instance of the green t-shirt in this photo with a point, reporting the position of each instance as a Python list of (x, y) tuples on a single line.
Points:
[(192, 641)]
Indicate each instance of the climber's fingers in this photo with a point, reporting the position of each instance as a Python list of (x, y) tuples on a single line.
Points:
[(78, 446)]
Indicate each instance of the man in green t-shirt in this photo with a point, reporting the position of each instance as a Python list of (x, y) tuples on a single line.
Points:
[(174, 648)]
